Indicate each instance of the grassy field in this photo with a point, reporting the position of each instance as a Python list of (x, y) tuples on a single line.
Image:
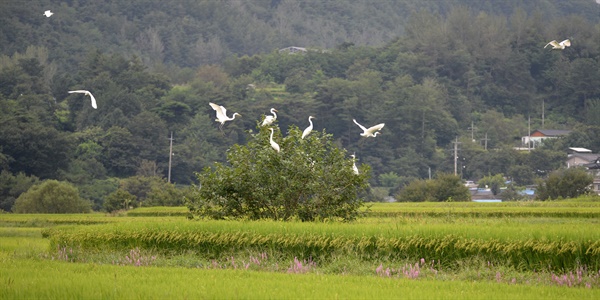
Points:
[(473, 251)]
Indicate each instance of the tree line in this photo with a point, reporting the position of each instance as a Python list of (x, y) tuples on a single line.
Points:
[(464, 76)]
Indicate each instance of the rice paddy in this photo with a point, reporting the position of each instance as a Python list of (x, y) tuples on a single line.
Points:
[(433, 250)]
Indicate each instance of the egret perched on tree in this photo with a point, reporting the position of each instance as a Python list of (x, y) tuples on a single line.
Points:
[(222, 114), (48, 13), (559, 46), (309, 128), (372, 131), (354, 168), (86, 93), (273, 144), (270, 119)]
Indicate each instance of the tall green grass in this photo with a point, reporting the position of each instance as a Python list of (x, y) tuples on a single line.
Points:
[(35, 279), (561, 209), (526, 246)]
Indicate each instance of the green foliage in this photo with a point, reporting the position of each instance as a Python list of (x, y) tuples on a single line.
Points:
[(481, 64), (511, 193), (445, 187), (309, 179), (51, 196), (494, 183), (97, 189), (565, 183), (165, 194), (152, 191), (415, 191), (390, 179), (12, 186), (118, 200)]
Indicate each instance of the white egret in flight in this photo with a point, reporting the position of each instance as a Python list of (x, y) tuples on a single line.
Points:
[(371, 131), (559, 46), (309, 128), (273, 144), (270, 119), (86, 93), (222, 114), (48, 13), (354, 168)]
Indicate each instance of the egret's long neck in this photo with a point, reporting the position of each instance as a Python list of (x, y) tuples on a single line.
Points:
[(310, 121), (274, 114), (271, 135)]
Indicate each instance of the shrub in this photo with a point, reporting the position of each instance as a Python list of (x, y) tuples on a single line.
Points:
[(12, 186), (153, 191), (493, 182), (565, 183), (165, 194), (97, 190), (442, 188), (119, 199), (416, 191), (53, 197), (308, 179)]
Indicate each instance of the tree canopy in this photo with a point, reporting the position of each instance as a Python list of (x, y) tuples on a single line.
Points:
[(435, 72)]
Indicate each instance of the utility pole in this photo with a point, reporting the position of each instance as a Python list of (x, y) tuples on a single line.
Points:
[(543, 113), (529, 134), (170, 156), (456, 156), (472, 131), (485, 141)]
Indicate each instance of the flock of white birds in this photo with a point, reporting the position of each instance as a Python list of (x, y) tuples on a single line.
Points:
[(372, 131), (222, 117)]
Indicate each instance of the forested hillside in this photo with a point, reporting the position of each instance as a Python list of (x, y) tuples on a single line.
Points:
[(432, 71)]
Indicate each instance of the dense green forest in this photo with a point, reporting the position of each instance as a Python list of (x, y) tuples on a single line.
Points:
[(435, 72)]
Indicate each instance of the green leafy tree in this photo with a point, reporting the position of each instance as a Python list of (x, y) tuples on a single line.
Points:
[(389, 179), (494, 182), (97, 190), (152, 191), (565, 183), (165, 194), (449, 187), (51, 197), (118, 200), (445, 187), (12, 186), (415, 191), (513, 193), (308, 179)]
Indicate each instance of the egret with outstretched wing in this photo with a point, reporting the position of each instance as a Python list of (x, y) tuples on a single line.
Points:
[(371, 131), (559, 46), (222, 114), (86, 93)]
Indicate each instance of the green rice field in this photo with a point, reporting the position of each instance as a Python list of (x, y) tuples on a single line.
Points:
[(526, 250)]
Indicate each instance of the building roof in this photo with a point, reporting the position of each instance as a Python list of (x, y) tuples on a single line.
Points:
[(589, 157), (579, 150), (293, 49), (553, 132), (594, 164)]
